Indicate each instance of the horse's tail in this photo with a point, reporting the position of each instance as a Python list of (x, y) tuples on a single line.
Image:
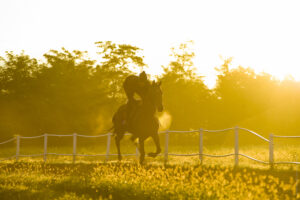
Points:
[(112, 128)]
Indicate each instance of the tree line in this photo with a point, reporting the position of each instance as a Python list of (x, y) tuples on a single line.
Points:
[(70, 92)]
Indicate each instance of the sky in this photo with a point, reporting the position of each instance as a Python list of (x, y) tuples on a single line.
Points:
[(261, 34)]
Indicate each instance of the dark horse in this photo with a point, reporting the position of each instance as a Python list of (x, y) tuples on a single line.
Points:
[(143, 123)]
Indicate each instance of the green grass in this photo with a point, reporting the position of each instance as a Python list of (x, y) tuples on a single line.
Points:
[(182, 178), (35, 180)]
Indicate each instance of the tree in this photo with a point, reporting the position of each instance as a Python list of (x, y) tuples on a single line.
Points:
[(17, 75), (243, 96), (120, 56), (117, 62), (67, 92), (16, 72), (185, 95)]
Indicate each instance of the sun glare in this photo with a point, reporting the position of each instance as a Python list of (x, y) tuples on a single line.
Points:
[(260, 35), (79, 119)]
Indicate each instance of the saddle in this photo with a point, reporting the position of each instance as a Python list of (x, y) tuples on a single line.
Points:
[(131, 111)]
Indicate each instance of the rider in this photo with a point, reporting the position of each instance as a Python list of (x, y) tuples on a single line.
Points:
[(134, 84)]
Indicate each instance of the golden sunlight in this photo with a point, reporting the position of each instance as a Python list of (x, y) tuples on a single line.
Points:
[(254, 33), (160, 99)]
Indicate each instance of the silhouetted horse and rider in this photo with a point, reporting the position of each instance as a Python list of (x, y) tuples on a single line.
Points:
[(138, 116)]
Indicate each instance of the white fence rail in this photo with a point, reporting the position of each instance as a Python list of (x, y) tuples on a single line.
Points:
[(166, 153)]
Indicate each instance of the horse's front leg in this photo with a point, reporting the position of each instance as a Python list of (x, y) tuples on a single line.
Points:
[(142, 150), (157, 144), (117, 140)]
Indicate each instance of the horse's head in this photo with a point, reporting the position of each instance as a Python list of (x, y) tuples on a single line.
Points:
[(156, 95)]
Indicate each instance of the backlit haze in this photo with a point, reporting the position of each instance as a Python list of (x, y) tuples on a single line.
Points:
[(263, 35)]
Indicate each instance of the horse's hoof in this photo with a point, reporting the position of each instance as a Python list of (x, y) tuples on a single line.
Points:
[(153, 155)]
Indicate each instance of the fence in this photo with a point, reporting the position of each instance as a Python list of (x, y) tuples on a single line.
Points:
[(166, 153)]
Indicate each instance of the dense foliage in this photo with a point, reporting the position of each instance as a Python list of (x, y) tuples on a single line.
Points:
[(69, 92)]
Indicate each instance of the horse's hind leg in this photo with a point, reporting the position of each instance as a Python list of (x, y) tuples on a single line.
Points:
[(157, 144), (118, 138), (142, 150)]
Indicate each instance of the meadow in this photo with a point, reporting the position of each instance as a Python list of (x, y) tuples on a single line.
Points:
[(181, 178), (127, 180)]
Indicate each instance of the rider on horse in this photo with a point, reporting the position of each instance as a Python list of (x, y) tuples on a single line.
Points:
[(138, 117), (134, 85)]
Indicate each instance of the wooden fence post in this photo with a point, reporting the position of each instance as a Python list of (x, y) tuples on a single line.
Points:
[(45, 146), (166, 146), (74, 147), (271, 150), (201, 145), (107, 147), (236, 145), (18, 147)]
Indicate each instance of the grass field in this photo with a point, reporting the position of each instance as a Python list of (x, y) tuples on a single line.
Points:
[(34, 180), (182, 178)]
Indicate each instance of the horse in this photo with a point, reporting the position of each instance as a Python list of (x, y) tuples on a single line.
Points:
[(143, 124)]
